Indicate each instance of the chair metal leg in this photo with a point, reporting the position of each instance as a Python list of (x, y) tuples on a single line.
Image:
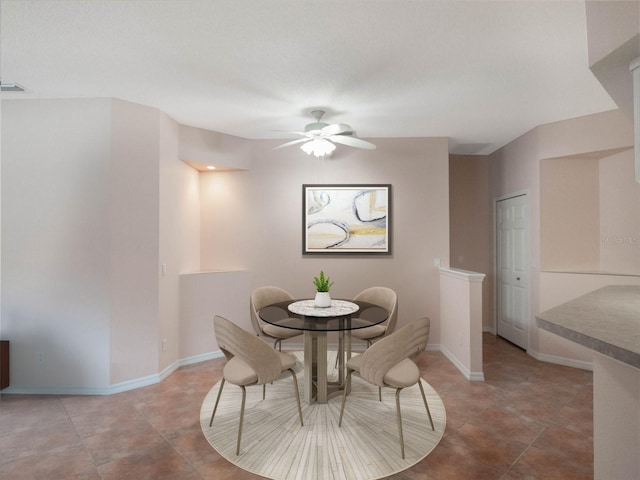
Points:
[(380, 393), (264, 390), (217, 400), (295, 384), (244, 397), (400, 421), (424, 397), (344, 395)]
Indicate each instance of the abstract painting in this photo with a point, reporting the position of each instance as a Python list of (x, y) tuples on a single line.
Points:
[(346, 219)]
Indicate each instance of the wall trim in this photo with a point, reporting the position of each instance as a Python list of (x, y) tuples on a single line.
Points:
[(472, 376), (567, 362), (462, 274), (116, 387), (157, 378)]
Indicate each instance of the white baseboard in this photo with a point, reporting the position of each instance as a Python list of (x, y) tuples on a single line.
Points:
[(469, 375), (116, 387), (488, 329), (156, 378), (567, 362)]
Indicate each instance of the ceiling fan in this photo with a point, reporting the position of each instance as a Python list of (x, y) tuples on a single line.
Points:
[(319, 138)]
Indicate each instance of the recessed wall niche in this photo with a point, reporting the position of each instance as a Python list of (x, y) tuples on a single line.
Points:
[(225, 223), (574, 236)]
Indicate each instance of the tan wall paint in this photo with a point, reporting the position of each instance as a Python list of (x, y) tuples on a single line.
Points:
[(271, 238), (134, 242), (513, 169), (110, 199), (204, 295), (569, 214), (591, 133), (55, 241), (609, 25), (228, 226), (471, 218), (461, 320), (616, 419), (418, 169), (620, 227), (179, 238), (516, 167), (207, 147)]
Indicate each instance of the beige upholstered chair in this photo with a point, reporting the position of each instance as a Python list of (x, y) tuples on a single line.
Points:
[(261, 297), (250, 361), (386, 298), (387, 363)]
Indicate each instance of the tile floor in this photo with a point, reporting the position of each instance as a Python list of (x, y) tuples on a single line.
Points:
[(528, 420)]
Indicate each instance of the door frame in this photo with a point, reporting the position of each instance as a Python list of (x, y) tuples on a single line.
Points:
[(500, 198)]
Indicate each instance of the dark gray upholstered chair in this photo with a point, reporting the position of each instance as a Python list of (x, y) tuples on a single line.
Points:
[(250, 361), (388, 363), (261, 297)]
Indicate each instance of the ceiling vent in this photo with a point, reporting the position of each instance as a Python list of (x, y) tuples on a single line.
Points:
[(10, 87)]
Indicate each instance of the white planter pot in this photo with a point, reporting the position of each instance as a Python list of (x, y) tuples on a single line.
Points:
[(323, 299)]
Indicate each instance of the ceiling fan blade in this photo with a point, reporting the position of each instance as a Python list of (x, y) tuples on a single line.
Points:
[(337, 129), (352, 141), (292, 142)]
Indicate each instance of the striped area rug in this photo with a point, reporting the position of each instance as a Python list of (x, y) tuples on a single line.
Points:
[(366, 447)]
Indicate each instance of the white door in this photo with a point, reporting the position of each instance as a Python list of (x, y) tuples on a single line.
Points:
[(512, 269)]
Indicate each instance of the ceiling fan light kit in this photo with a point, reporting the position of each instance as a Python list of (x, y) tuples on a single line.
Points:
[(319, 147), (320, 137)]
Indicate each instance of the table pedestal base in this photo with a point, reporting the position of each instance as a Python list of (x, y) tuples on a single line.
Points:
[(317, 388)]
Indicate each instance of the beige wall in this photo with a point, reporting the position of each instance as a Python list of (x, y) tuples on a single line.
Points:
[(213, 148), (227, 219), (461, 320), (471, 218), (620, 227), (609, 25), (254, 220), (55, 241), (204, 295), (70, 230), (120, 205), (574, 235), (179, 234), (569, 214), (616, 419), (516, 167), (94, 196), (134, 196)]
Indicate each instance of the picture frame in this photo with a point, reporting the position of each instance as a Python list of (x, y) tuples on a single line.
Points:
[(346, 219)]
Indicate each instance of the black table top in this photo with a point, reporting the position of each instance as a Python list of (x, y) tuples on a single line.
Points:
[(367, 315)]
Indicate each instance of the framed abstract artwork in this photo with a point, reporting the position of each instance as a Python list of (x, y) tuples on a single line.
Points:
[(346, 219)]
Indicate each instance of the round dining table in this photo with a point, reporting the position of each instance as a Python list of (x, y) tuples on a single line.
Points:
[(341, 317)]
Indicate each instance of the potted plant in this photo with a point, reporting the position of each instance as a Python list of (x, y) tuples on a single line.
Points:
[(323, 284)]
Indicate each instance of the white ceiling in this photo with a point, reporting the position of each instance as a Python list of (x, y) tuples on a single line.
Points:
[(479, 72)]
